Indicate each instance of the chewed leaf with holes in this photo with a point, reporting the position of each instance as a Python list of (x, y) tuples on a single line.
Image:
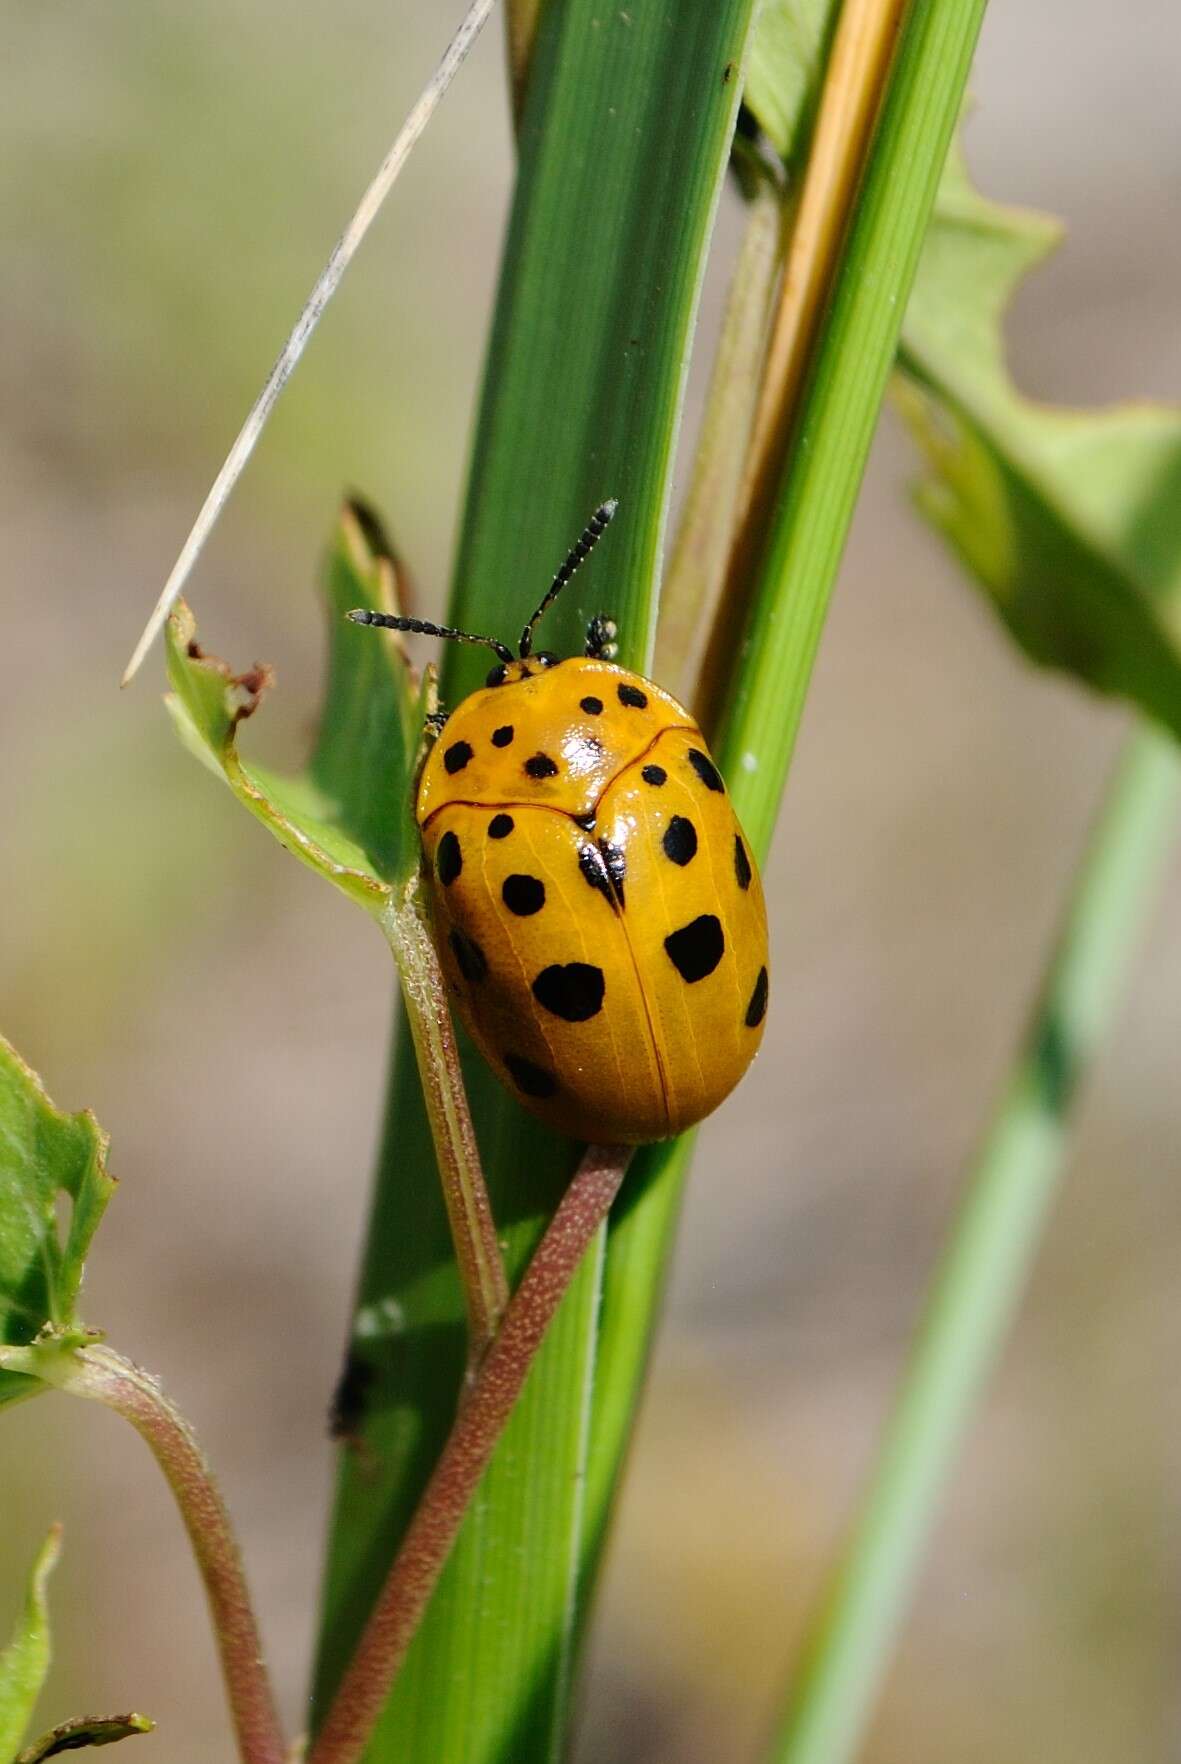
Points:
[(1071, 520), (46, 1158), (347, 815)]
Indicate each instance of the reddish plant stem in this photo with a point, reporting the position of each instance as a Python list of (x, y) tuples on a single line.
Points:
[(104, 1375), (465, 1195), (481, 1419)]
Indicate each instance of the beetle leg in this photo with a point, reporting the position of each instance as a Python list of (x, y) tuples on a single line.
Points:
[(600, 638)]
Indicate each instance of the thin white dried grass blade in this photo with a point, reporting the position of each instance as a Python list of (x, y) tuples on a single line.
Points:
[(342, 255)]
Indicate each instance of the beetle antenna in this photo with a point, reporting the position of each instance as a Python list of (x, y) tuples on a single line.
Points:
[(398, 622), (594, 529)]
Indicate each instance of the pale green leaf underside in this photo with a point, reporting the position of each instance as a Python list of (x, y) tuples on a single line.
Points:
[(1071, 520), (783, 74), (345, 815), (43, 1154), (25, 1661)]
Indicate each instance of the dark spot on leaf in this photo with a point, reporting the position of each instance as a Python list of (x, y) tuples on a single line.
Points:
[(448, 859), (531, 1080), (705, 769), (573, 992), (680, 841), (697, 948), (742, 867), (756, 1010), (523, 895), (500, 826)]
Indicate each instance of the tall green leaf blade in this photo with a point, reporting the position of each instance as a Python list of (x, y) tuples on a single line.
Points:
[(1066, 518), (624, 142), (43, 1154)]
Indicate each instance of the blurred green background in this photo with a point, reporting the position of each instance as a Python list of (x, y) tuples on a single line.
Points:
[(170, 181)]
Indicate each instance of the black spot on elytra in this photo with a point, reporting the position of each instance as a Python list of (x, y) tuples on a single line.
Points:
[(541, 766), (680, 841), (592, 706), (742, 867), (616, 866), (756, 1010), (448, 859), (696, 949), (531, 1080), (705, 769), (523, 895), (457, 756), (502, 736), (633, 697), (655, 775), (594, 871), (469, 957), (573, 992), (500, 826)]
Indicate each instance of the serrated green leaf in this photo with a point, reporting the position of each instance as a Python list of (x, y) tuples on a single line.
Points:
[(43, 1154), (25, 1661), (1071, 520), (345, 816), (787, 60), (624, 142), (85, 1730)]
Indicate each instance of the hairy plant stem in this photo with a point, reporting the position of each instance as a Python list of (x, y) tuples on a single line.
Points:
[(483, 1412), (465, 1194), (98, 1372), (979, 1284)]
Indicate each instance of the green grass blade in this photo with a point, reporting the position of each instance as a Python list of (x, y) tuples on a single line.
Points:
[(624, 140), (980, 1281), (853, 359), (840, 407)]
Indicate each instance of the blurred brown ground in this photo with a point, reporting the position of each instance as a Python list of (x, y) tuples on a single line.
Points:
[(170, 179)]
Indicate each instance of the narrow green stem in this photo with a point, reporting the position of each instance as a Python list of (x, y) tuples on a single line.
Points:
[(839, 408), (481, 1419), (106, 1377), (465, 1194), (978, 1286)]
